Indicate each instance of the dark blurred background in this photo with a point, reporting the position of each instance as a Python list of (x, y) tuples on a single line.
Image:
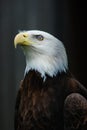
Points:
[(65, 19)]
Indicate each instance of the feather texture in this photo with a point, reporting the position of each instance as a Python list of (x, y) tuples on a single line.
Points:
[(40, 105)]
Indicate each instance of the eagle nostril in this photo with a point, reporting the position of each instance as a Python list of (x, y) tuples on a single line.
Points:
[(24, 35)]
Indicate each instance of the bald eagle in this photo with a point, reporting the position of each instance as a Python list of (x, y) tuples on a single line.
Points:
[(49, 97)]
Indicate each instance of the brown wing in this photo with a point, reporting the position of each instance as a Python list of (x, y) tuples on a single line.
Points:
[(40, 105), (75, 107), (74, 86)]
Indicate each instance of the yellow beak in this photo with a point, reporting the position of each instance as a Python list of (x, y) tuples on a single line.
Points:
[(21, 39)]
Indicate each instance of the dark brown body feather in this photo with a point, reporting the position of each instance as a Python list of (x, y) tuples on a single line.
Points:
[(42, 105)]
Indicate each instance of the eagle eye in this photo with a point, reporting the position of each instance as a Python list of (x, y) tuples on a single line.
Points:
[(39, 37)]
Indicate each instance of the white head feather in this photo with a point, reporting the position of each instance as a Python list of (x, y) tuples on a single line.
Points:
[(47, 56)]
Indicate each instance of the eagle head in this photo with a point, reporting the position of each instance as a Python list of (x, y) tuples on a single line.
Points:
[(44, 52)]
